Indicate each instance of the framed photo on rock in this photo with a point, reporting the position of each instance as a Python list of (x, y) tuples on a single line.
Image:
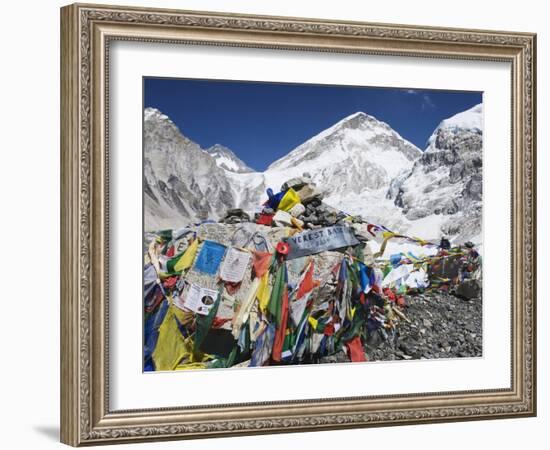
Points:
[(276, 224)]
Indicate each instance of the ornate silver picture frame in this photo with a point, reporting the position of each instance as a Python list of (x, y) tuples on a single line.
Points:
[(87, 33)]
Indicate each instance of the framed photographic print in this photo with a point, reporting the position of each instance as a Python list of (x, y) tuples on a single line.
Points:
[(276, 224)]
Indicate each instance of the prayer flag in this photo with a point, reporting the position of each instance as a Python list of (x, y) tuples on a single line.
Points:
[(210, 257), (261, 262), (307, 283), (186, 259)]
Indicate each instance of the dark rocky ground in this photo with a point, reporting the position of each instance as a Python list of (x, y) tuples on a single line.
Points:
[(442, 326)]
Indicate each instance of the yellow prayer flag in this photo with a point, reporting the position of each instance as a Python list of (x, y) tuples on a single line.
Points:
[(172, 348), (188, 257), (263, 293), (290, 199), (313, 322)]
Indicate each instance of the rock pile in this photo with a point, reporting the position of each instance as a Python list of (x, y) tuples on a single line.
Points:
[(441, 326), (300, 284)]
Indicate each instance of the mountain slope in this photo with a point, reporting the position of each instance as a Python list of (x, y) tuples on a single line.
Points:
[(182, 182), (445, 184), (227, 160), (353, 163)]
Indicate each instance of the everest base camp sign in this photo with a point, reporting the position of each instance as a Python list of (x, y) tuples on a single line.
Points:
[(321, 240)]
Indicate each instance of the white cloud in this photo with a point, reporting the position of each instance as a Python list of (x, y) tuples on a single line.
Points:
[(427, 102)]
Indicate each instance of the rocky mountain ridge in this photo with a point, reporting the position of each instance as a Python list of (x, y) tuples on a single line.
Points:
[(361, 165)]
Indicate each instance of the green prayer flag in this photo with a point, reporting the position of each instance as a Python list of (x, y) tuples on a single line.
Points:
[(275, 301), (172, 262), (203, 323)]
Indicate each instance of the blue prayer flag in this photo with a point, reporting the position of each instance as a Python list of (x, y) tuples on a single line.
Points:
[(210, 257)]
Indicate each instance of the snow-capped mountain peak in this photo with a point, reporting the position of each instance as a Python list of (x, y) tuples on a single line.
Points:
[(470, 120), (227, 160), (356, 133), (444, 189), (152, 113)]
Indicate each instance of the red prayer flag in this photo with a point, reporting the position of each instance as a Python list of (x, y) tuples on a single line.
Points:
[(265, 219), (355, 350), (329, 329), (232, 288), (170, 282), (307, 283), (389, 293)]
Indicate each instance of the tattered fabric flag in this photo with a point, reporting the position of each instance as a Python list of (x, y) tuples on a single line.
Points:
[(149, 275), (246, 306), (277, 291), (280, 334), (170, 348), (395, 259), (300, 338), (313, 322), (343, 273), (397, 273), (297, 308), (203, 323), (289, 200), (273, 199), (364, 278), (151, 327), (153, 256), (375, 278), (265, 219), (307, 283), (288, 344), (263, 292), (353, 270), (355, 350), (170, 282), (210, 257), (232, 288), (154, 298), (186, 259), (264, 344), (261, 262)]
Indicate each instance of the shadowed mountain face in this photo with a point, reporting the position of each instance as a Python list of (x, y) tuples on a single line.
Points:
[(361, 164), (227, 160), (182, 182), (447, 180)]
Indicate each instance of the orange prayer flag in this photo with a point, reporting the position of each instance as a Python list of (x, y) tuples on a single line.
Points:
[(261, 262)]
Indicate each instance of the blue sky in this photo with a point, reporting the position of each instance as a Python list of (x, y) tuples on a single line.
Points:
[(262, 122)]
